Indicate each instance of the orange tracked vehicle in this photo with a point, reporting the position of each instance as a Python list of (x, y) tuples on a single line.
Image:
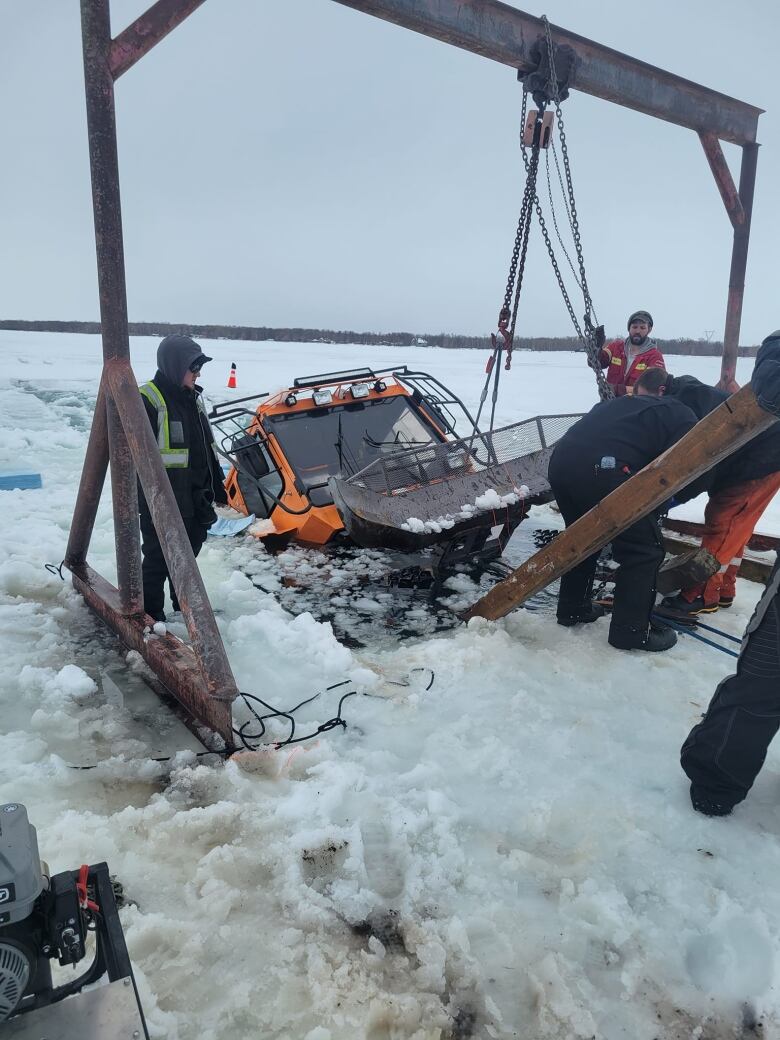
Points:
[(374, 457)]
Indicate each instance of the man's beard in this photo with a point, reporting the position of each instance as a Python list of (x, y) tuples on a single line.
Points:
[(638, 341)]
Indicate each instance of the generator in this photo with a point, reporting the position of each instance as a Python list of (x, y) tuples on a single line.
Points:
[(65, 918)]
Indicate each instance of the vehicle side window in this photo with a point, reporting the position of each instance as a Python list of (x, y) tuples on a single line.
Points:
[(258, 478)]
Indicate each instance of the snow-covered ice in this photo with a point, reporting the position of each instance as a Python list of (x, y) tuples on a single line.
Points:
[(508, 853)]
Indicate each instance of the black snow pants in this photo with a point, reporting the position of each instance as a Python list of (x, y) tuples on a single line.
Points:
[(638, 550), (154, 568), (725, 751)]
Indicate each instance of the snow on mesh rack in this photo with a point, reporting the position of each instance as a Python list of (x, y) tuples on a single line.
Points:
[(490, 500)]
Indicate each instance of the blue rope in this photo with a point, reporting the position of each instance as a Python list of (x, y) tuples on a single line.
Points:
[(688, 632), (718, 632)]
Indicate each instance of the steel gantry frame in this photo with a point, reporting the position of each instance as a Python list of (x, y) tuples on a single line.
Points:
[(199, 676)]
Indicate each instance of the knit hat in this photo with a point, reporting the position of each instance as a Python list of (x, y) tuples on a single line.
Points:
[(641, 316)]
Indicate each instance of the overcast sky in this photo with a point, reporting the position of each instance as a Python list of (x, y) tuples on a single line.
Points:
[(297, 163)]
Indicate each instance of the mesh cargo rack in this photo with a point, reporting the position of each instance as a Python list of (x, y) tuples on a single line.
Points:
[(442, 482), (406, 470)]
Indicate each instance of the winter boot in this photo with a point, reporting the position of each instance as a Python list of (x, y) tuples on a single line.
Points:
[(684, 606), (587, 612), (725, 602), (654, 639), (703, 803)]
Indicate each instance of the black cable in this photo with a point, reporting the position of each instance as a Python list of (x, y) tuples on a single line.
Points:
[(330, 724), (275, 713), (405, 682), (325, 727), (52, 568), (167, 758)]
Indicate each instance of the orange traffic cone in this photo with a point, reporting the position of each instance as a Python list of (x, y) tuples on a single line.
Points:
[(232, 377)]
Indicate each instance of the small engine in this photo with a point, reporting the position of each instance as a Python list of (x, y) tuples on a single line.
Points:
[(43, 918)]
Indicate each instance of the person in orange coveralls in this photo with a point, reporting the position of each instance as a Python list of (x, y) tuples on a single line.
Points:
[(626, 359), (740, 489)]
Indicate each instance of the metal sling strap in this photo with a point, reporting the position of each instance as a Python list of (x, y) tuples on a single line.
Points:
[(173, 458)]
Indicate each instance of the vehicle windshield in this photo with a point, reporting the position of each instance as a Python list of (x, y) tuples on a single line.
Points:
[(324, 442)]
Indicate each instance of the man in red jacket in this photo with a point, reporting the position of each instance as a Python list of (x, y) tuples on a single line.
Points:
[(627, 359)]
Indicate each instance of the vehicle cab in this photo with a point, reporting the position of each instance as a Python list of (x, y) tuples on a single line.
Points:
[(285, 451)]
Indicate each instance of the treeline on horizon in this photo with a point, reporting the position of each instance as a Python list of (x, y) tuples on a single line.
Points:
[(699, 347)]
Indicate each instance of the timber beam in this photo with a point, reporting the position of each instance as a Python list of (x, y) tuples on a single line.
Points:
[(750, 568), (718, 435), (692, 529)]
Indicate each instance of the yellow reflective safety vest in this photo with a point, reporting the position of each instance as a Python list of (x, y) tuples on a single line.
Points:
[(173, 458)]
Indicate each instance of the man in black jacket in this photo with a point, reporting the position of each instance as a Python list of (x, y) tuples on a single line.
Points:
[(614, 440), (740, 488), (186, 443), (725, 751)]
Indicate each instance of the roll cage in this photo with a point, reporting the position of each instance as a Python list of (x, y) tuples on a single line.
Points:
[(242, 433)]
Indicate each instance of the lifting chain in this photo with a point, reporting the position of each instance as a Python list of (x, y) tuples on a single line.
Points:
[(558, 235), (520, 247), (591, 336), (507, 318)]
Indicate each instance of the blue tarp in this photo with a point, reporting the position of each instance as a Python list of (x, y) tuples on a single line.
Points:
[(225, 528), (10, 481)]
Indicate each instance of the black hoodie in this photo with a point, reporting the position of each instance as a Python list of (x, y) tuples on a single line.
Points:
[(200, 484), (759, 457)]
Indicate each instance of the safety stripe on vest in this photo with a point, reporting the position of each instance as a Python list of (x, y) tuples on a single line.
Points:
[(172, 458)]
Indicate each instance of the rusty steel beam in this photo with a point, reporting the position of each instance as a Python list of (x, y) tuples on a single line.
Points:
[(186, 578), (739, 255), (723, 179), (504, 34), (172, 662), (126, 426), (146, 31), (104, 169), (127, 538), (93, 476)]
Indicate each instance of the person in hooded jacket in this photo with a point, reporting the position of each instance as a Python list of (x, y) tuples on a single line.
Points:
[(626, 359), (724, 753), (740, 488), (181, 427), (598, 454)]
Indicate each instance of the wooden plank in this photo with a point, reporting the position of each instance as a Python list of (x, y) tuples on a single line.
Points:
[(755, 570), (690, 565), (750, 568), (758, 542), (717, 436)]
